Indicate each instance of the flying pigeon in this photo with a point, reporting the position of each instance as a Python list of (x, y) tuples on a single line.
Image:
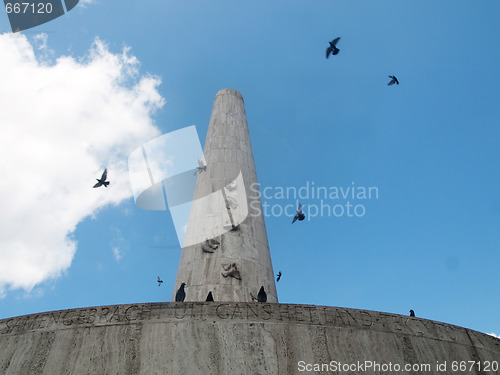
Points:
[(394, 80), (181, 294), (159, 281), (279, 276), (262, 296), (202, 167), (210, 297), (412, 313), (299, 215), (332, 49), (102, 181)]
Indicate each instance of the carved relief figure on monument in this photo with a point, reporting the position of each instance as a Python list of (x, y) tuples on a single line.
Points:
[(210, 245), (231, 269)]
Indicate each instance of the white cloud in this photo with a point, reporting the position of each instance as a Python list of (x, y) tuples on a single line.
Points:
[(117, 244), (85, 2), (117, 253), (44, 53), (61, 124), (41, 41)]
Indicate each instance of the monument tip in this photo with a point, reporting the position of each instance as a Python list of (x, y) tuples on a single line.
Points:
[(229, 92)]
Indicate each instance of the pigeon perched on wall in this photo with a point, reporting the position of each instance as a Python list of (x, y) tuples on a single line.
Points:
[(393, 81), (102, 181), (181, 294), (279, 276), (412, 313), (262, 296), (210, 297), (332, 49), (159, 281), (299, 215)]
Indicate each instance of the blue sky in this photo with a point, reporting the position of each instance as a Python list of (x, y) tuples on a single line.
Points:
[(430, 242)]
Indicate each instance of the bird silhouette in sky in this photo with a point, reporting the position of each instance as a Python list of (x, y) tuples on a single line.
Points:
[(393, 81), (102, 181), (279, 276), (159, 281), (181, 294), (333, 48), (299, 215), (412, 313)]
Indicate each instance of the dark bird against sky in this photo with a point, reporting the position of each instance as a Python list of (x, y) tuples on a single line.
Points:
[(279, 276), (412, 313), (102, 181), (159, 281), (299, 215), (393, 81), (332, 49)]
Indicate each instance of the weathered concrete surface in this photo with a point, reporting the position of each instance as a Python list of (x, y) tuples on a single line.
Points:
[(233, 338), (228, 154)]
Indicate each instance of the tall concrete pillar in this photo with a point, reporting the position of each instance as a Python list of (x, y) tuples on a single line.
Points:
[(234, 261)]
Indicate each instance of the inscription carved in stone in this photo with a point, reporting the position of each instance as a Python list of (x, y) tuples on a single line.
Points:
[(252, 311)]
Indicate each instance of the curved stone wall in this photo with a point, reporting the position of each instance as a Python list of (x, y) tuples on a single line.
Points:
[(238, 338)]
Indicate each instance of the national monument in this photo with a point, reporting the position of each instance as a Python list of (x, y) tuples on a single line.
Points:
[(234, 334)]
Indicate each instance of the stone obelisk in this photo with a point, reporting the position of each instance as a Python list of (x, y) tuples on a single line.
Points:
[(234, 335), (234, 261)]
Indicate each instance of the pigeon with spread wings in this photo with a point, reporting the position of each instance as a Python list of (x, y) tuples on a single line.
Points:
[(332, 48), (393, 81), (102, 180), (299, 215)]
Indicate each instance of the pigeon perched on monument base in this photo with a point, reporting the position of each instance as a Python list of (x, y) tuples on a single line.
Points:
[(181, 294)]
